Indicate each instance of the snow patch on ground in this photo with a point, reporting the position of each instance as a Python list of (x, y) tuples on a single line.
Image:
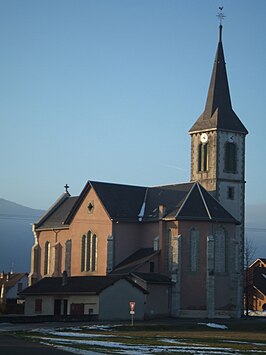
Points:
[(128, 349), (214, 325)]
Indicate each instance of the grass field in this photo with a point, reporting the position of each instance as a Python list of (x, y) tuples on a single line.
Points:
[(246, 336)]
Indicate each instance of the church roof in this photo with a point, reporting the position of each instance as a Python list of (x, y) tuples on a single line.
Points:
[(56, 216), (189, 201), (200, 205), (153, 277), (135, 261), (218, 112)]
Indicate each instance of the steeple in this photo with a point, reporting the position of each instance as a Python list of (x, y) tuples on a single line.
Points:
[(218, 112)]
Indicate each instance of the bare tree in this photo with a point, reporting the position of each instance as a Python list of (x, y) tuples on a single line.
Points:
[(249, 253)]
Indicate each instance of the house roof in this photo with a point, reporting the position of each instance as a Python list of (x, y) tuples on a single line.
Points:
[(11, 279), (189, 201), (75, 285), (218, 112), (257, 261), (259, 279)]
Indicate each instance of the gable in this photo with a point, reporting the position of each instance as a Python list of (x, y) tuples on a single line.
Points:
[(90, 208)]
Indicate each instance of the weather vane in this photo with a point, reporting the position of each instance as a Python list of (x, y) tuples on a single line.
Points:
[(220, 15)]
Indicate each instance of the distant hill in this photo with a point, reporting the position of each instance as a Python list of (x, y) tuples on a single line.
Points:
[(16, 237)]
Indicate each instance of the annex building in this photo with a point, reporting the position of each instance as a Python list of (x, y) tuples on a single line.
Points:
[(176, 250)]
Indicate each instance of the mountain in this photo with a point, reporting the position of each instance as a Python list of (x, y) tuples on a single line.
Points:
[(16, 236)]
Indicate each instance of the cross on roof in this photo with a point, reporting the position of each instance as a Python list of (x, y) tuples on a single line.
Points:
[(220, 15), (66, 188)]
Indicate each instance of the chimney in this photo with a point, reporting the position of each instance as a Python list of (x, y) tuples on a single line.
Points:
[(64, 278), (161, 211)]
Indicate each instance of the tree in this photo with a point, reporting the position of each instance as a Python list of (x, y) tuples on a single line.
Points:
[(249, 252)]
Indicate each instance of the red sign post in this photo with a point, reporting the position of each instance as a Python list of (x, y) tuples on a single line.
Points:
[(132, 311)]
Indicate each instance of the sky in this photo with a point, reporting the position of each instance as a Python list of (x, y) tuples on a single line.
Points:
[(107, 90)]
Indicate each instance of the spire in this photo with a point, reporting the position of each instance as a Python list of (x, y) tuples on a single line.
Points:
[(218, 112), (218, 94)]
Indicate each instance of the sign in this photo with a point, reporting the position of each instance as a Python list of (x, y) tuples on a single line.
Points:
[(132, 306), (132, 311)]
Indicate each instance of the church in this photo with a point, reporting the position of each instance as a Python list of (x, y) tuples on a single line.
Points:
[(176, 249)]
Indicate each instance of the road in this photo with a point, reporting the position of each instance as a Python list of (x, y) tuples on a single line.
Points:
[(10, 345)]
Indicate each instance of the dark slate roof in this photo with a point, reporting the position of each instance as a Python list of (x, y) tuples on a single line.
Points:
[(56, 216), (140, 204), (134, 261), (120, 201), (218, 112), (170, 196), (153, 278), (74, 285), (199, 205), (259, 279), (11, 279)]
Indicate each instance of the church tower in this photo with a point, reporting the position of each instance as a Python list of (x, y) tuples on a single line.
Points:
[(218, 150)]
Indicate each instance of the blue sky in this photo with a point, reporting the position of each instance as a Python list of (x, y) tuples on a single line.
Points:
[(107, 90)]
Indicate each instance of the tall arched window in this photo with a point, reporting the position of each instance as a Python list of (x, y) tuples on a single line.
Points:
[(169, 251), (93, 252), (203, 157), (68, 249), (220, 250), (89, 252), (83, 252), (47, 254), (194, 250), (230, 158)]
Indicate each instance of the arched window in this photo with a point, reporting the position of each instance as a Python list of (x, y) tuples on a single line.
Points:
[(230, 158), (83, 252), (68, 249), (89, 252), (220, 250), (169, 251), (93, 252), (47, 254), (194, 250), (203, 157)]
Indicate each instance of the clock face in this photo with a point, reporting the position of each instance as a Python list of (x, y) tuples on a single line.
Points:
[(204, 138)]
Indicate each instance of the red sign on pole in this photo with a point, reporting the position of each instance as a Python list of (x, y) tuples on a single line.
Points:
[(132, 305)]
